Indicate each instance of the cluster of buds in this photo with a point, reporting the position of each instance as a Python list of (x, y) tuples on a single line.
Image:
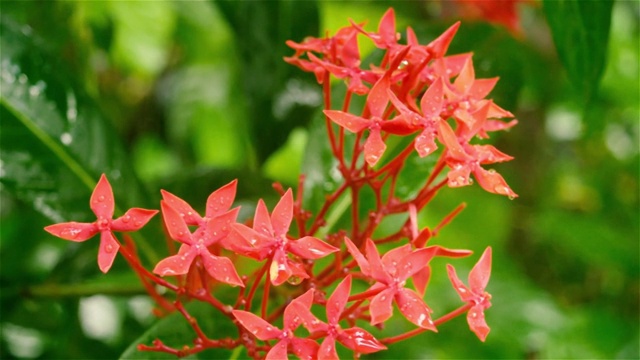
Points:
[(416, 91)]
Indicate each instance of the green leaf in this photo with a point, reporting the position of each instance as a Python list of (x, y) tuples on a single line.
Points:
[(176, 332), (580, 31), (55, 142)]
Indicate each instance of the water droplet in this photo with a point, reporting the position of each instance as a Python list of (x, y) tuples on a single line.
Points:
[(491, 171), (403, 64), (294, 280), (108, 248), (101, 198), (66, 138), (137, 223), (126, 218)]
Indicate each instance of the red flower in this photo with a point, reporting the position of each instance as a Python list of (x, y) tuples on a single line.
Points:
[(391, 273), (102, 203), (475, 293), (268, 239), (218, 203), (355, 338), (303, 348), (196, 245)]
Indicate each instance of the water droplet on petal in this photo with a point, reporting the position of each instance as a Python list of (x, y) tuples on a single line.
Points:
[(101, 198), (108, 248), (126, 219)]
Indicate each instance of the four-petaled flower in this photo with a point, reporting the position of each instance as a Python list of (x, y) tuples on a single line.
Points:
[(103, 205), (268, 239), (287, 342), (475, 294), (196, 245), (355, 338), (391, 273)]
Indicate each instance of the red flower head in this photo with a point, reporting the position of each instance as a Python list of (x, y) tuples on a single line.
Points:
[(268, 239), (355, 338), (391, 273), (102, 203), (475, 294), (293, 314), (196, 245)]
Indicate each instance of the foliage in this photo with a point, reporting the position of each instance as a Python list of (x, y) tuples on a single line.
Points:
[(141, 91)]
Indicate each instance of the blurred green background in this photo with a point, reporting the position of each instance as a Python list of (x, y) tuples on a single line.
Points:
[(186, 96)]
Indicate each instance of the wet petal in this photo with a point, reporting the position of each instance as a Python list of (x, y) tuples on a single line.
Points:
[(477, 322), (278, 351), (465, 79), (482, 87), (360, 341), (421, 279), (439, 46), (191, 217), (74, 231), (177, 264), (415, 261), (327, 349), (134, 219), (108, 250), (257, 326), (305, 349), (449, 139), (219, 226), (338, 300), (459, 175), (414, 309), (295, 313), (357, 255), (221, 269), (378, 271), (479, 275), (102, 202), (309, 247), (380, 307), (262, 220), (348, 121), (175, 223), (374, 147), (462, 290), (282, 214), (425, 143), (221, 200), (378, 97), (493, 182), (279, 270), (392, 259), (432, 100)]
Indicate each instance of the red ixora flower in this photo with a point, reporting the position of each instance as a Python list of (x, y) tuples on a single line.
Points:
[(391, 273), (196, 245), (475, 293), (102, 204), (287, 342), (355, 338), (268, 239)]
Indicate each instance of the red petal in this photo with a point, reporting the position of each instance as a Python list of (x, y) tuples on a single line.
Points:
[(102, 202), (177, 264), (262, 220), (297, 311), (348, 121), (459, 175), (482, 87), (279, 270), (175, 224), (414, 309), (278, 351), (309, 247), (219, 227), (479, 275), (108, 250), (357, 255), (338, 300), (350, 52), (191, 217), (380, 306), (252, 244), (221, 200), (378, 97), (493, 182), (134, 219), (488, 154), (387, 28), (432, 100), (221, 268), (392, 260), (327, 349), (422, 238), (378, 271), (477, 322), (458, 286), (306, 349), (421, 279), (450, 140), (452, 253), (465, 80), (74, 231), (257, 326), (374, 147), (282, 214), (400, 125), (415, 261), (360, 341), (439, 46)]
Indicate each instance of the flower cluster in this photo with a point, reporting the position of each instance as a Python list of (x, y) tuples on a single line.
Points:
[(416, 92)]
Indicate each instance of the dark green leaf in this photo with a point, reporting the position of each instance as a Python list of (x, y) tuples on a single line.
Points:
[(580, 30)]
